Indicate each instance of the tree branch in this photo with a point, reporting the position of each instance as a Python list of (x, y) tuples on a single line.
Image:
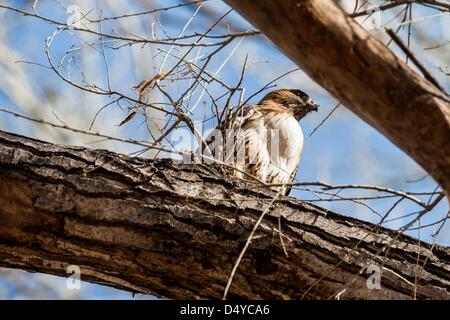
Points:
[(362, 74), (176, 230)]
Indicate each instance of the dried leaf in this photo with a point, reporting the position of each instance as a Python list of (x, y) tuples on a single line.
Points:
[(145, 85), (128, 118)]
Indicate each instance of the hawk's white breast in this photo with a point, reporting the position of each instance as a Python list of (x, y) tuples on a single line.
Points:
[(290, 139), (274, 143)]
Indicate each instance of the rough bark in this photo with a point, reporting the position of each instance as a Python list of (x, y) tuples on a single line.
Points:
[(175, 230), (362, 73)]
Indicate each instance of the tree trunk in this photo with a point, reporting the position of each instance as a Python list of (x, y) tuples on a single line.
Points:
[(361, 73), (176, 230)]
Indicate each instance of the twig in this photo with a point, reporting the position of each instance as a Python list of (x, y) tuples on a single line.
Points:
[(413, 58), (325, 119), (397, 3), (247, 243)]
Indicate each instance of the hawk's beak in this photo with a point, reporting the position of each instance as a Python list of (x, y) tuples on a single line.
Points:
[(315, 107)]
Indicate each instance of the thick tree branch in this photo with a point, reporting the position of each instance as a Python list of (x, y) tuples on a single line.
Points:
[(362, 73), (175, 230)]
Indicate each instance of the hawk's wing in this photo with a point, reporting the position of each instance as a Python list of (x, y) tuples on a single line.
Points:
[(237, 122)]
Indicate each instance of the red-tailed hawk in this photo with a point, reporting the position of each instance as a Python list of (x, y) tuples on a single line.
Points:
[(264, 140)]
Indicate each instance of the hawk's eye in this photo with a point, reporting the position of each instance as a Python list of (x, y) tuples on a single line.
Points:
[(300, 94)]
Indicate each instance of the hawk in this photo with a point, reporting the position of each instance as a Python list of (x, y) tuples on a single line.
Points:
[(265, 139)]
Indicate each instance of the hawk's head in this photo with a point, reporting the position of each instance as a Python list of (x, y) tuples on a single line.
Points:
[(295, 100)]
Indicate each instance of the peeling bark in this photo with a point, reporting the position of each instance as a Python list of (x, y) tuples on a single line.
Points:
[(175, 230), (361, 73)]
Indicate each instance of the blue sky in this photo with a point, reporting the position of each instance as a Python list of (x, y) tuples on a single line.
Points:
[(345, 150)]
